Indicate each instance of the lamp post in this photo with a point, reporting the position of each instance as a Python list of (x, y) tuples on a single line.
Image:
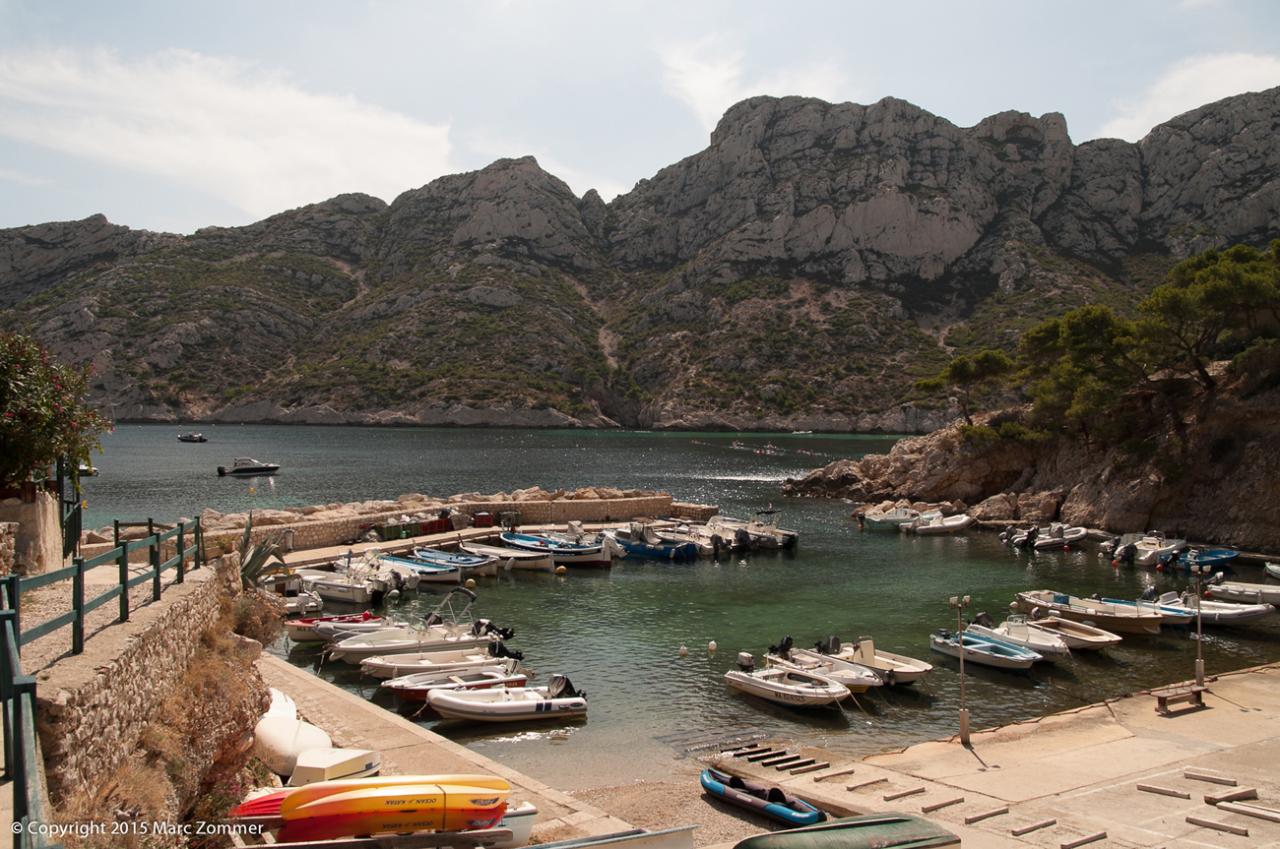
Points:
[(959, 603), (1197, 572)]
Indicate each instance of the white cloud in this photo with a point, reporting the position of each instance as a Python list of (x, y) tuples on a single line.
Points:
[(1191, 83), (709, 77), (233, 130), (8, 175)]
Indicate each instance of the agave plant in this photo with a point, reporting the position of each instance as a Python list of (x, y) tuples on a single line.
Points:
[(256, 557)]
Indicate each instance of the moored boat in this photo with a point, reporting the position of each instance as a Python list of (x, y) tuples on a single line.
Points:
[(892, 668), (1119, 619), (937, 524), (854, 676), (1058, 536), (427, 572), (872, 831), (1169, 615), (784, 685), (564, 553), (1244, 593), (354, 587), (405, 639), (1015, 630), (987, 651), (395, 665), (1146, 549), (192, 437), (415, 687), (1077, 635), (558, 700), (888, 520), (1217, 612), (513, 558), (762, 532), (469, 565), (640, 540), (1272, 570), (327, 764), (766, 799), (1206, 557)]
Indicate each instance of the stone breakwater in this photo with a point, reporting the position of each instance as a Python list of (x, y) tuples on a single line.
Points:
[(323, 525)]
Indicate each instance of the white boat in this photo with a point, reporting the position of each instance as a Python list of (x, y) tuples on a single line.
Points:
[(558, 700), (986, 651), (938, 524), (356, 587), (513, 558), (1146, 549), (565, 552), (1272, 570), (1120, 619), (281, 704), (1015, 630), (327, 764), (415, 687), (404, 639), (1057, 536), (279, 739), (1168, 615), (302, 603), (1244, 593), (889, 520), (248, 467), (1217, 612), (519, 821), (854, 676), (1077, 635), (785, 685), (761, 532), (892, 668), (395, 665)]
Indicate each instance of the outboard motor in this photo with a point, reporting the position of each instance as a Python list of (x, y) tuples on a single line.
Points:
[(984, 619), (742, 539), (783, 648), (560, 687), (1149, 594), (432, 618), (1126, 554), (831, 645), (499, 649), (746, 662), (1030, 540)]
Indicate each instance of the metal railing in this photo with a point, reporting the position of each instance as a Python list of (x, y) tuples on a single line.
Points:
[(18, 691)]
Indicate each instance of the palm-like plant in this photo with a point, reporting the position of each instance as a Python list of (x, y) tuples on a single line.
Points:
[(256, 558)]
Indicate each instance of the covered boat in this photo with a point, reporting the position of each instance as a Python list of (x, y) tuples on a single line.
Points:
[(1216, 612), (873, 831), (767, 799), (854, 676), (1116, 618), (394, 665), (936, 524), (892, 668), (513, 558), (784, 685), (327, 764), (564, 553), (1077, 635), (415, 687), (248, 467), (640, 540), (1016, 630), (1244, 593), (405, 639), (558, 700), (278, 739), (987, 651)]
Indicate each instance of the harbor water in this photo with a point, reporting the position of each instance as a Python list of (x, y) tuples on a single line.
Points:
[(617, 632)]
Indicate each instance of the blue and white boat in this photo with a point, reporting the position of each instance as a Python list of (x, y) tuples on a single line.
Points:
[(640, 540), (1206, 557), (1168, 615), (769, 800), (428, 573), (469, 564), (563, 552), (987, 651)]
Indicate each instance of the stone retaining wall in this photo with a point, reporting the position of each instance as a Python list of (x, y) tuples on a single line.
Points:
[(8, 546), (94, 706), (38, 542)]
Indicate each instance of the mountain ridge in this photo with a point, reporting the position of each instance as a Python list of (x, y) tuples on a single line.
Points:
[(798, 273)]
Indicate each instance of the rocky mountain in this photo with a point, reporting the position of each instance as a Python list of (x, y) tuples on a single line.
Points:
[(800, 272)]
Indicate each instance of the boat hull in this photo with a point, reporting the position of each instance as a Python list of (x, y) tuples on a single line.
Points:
[(524, 704), (791, 696), (1242, 593), (1077, 635), (982, 652), (1089, 612), (874, 831)]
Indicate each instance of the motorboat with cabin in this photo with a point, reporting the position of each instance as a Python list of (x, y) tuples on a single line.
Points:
[(248, 467)]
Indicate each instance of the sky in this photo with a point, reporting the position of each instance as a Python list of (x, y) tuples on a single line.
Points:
[(174, 116)]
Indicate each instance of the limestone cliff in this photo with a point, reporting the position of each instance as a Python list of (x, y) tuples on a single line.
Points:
[(799, 273)]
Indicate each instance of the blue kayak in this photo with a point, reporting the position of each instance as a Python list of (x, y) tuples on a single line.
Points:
[(762, 798)]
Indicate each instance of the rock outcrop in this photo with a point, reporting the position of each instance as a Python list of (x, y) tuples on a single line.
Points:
[(801, 272)]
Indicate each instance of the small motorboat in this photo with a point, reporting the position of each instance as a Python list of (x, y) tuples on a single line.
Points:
[(1244, 593), (1272, 570), (767, 799), (854, 676), (354, 587), (1058, 536), (1169, 615), (406, 638), (564, 553), (1146, 549), (1015, 630), (512, 558), (937, 524), (762, 532), (302, 603), (468, 565), (395, 665), (1121, 619), (415, 687), (872, 831), (889, 520), (987, 651), (427, 572), (1206, 557), (192, 437), (784, 685), (306, 630), (640, 540), (248, 467), (1216, 612), (558, 700), (1077, 635), (892, 668), (314, 765)]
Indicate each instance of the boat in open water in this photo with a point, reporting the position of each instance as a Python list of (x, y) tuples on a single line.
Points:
[(248, 467)]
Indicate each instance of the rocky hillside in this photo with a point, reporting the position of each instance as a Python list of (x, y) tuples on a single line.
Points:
[(800, 272)]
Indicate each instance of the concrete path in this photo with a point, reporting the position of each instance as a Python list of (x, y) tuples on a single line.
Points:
[(409, 749), (1082, 769)]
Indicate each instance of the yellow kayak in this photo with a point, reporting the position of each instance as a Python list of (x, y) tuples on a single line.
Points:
[(309, 793)]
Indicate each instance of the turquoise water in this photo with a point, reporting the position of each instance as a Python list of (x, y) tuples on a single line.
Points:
[(617, 632)]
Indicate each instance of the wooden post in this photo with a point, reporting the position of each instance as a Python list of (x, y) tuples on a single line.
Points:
[(77, 605), (122, 561), (182, 553)]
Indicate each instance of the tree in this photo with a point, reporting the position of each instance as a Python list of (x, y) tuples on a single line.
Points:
[(970, 376), (42, 412)]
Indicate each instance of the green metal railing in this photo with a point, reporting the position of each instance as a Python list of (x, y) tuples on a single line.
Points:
[(18, 691)]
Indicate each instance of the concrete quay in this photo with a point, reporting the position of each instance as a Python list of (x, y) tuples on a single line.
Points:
[(409, 749), (1080, 768)]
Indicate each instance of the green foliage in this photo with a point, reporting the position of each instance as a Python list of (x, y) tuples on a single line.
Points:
[(255, 558), (42, 412), (970, 375)]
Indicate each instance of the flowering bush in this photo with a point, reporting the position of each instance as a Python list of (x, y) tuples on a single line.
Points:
[(42, 412)]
